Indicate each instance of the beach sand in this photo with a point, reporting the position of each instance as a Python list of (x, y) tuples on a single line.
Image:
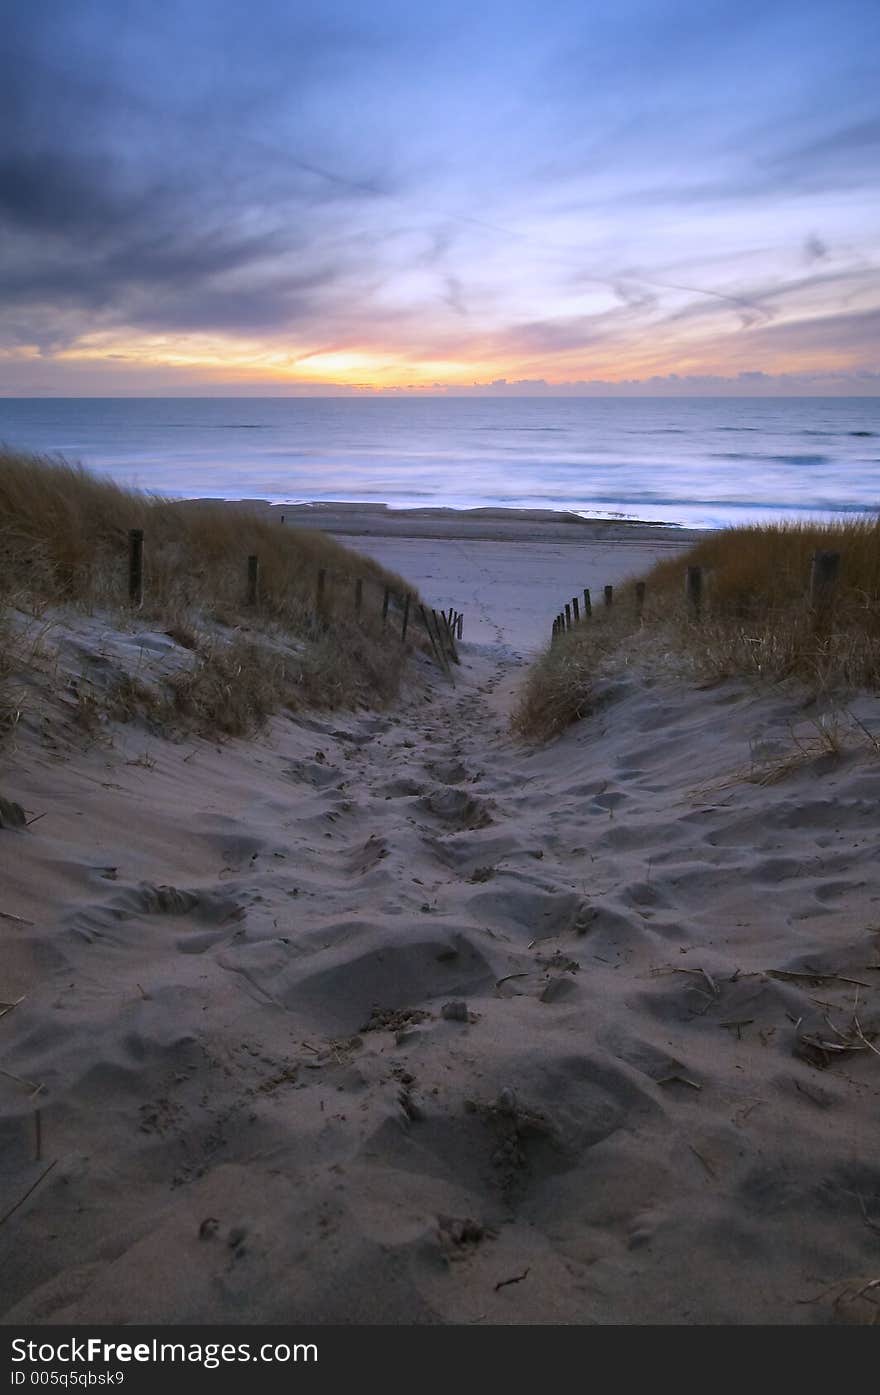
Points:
[(509, 571), (387, 1018)]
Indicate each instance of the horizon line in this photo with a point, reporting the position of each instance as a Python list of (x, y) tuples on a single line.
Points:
[(400, 395)]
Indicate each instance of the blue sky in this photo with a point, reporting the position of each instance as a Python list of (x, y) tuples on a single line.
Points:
[(298, 197)]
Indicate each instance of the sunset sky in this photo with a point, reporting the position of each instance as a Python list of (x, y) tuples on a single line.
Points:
[(293, 196)]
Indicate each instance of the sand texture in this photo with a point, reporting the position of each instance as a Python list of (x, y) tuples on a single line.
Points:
[(509, 591), (389, 1019)]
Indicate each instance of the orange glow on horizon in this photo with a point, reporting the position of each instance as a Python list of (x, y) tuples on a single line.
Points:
[(469, 361)]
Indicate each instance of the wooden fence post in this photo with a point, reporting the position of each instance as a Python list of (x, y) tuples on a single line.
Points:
[(693, 589), (824, 571), (430, 633), (576, 610), (567, 616), (451, 627), (609, 595), (588, 604), (385, 599), (319, 594), (460, 626), (406, 600), (253, 579), (136, 567), (640, 600), (446, 632), (436, 644)]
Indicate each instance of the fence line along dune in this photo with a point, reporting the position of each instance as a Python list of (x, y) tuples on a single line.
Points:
[(64, 550), (758, 616)]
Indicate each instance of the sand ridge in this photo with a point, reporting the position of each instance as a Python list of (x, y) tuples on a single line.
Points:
[(385, 1018), (525, 526)]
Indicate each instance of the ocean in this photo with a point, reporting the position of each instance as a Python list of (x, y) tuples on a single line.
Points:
[(701, 462)]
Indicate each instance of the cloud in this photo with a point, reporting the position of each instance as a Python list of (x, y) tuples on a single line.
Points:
[(815, 249), (115, 202), (329, 176), (858, 141), (541, 337), (743, 384), (854, 335)]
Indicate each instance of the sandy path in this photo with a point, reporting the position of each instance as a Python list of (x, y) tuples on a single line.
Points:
[(509, 592), (257, 1110), (509, 571)]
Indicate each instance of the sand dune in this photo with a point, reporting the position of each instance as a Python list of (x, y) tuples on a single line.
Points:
[(387, 1019)]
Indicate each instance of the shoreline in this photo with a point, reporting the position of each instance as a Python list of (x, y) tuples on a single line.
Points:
[(351, 519)]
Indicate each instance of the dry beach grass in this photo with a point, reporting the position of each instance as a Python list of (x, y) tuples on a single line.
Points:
[(756, 621), (64, 549)]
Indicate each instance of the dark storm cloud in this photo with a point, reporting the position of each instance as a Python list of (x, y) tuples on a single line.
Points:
[(40, 190), (156, 203)]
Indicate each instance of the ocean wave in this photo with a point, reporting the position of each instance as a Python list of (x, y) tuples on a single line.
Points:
[(210, 426), (837, 435), (775, 459), (797, 459)]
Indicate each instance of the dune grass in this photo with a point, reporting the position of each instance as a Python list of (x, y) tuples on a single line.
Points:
[(10, 697), (756, 620), (64, 535), (64, 543)]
